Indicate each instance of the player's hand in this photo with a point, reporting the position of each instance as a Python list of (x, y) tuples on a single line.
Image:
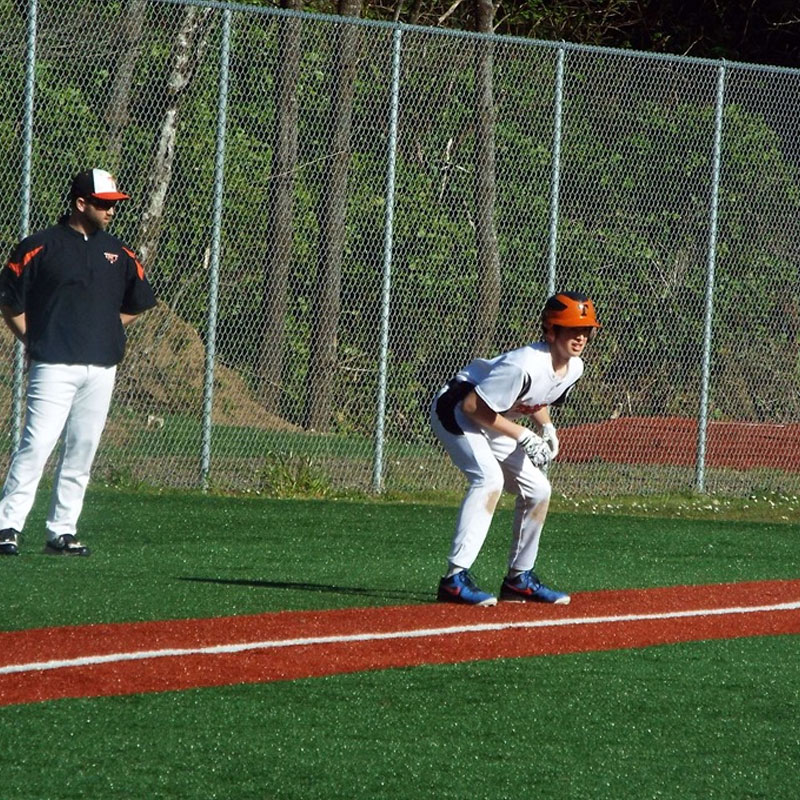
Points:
[(549, 436), (537, 450)]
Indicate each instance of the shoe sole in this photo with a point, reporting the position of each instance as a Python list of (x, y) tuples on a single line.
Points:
[(562, 601), (490, 601), (52, 551)]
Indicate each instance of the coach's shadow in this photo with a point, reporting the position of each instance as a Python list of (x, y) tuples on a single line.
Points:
[(301, 586)]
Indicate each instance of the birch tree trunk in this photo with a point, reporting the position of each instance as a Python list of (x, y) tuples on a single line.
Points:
[(189, 47)]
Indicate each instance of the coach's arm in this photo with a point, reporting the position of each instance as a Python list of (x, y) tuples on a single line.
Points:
[(15, 321)]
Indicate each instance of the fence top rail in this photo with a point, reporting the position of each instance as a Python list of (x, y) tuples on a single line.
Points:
[(491, 37)]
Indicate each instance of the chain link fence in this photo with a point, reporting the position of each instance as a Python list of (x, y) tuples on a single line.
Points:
[(336, 215)]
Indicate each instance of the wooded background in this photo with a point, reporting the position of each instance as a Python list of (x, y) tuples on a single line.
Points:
[(757, 31), (286, 205)]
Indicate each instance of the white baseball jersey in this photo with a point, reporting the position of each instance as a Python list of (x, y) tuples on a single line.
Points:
[(521, 381)]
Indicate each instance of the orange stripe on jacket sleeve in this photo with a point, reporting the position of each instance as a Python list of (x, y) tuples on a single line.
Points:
[(139, 267), (17, 266)]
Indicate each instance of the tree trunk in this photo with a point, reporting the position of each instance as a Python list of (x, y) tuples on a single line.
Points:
[(281, 212), (487, 301), (188, 47), (118, 114), (331, 213)]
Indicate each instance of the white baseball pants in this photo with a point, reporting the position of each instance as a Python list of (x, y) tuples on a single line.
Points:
[(491, 463), (68, 399)]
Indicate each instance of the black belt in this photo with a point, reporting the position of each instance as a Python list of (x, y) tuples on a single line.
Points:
[(447, 402)]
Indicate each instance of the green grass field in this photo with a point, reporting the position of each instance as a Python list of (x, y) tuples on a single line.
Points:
[(700, 720)]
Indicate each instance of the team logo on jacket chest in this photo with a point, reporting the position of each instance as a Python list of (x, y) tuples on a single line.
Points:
[(111, 257)]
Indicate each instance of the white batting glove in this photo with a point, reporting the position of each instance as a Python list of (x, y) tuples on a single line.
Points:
[(549, 436), (537, 450)]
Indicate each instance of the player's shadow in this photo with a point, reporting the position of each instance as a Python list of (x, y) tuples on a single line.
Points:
[(303, 586)]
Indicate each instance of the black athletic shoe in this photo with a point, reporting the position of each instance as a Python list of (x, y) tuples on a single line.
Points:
[(8, 542), (65, 545)]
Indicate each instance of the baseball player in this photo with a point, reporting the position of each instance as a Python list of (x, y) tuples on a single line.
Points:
[(67, 292), (474, 417)]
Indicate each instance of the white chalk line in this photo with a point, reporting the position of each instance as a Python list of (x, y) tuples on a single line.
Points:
[(143, 655)]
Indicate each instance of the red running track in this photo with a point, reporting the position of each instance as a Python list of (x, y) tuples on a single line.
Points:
[(117, 659)]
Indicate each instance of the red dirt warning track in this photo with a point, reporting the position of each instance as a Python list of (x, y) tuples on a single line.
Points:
[(673, 440), (100, 660)]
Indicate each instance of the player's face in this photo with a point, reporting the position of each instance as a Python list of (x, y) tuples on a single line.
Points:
[(569, 342)]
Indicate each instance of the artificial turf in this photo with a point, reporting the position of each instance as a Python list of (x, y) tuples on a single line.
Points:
[(705, 719), (160, 556), (712, 720)]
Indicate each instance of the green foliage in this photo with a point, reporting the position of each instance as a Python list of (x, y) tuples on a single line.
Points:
[(646, 245), (287, 474), (633, 230)]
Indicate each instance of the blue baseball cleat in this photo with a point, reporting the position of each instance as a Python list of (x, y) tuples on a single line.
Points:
[(460, 588), (527, 588)]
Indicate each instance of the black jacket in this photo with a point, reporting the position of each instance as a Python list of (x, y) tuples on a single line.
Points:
[(72, 289)]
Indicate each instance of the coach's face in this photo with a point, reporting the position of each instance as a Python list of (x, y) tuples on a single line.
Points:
[(96, 212)]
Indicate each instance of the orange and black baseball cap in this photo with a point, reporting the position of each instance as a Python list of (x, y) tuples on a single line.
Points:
[(96, 183)]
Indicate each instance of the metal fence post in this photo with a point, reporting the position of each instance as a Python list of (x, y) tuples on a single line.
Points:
[(377, 468), (25, 207), (213, 278), (555, 175), (702, 424)]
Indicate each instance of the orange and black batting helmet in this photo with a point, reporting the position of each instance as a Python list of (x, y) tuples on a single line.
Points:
[(569, 310)]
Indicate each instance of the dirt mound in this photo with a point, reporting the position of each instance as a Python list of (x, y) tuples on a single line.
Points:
[(673, 440), (164, 372)]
